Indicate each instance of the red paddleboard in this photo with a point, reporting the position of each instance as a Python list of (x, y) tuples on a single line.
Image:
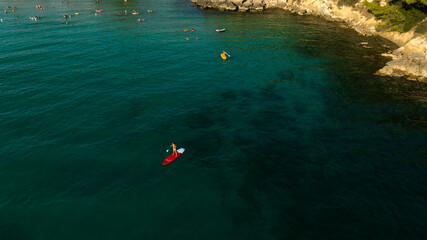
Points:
[(172, 157)]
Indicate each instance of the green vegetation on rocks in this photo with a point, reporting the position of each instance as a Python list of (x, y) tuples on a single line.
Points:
[(398, 15), (422, 28)]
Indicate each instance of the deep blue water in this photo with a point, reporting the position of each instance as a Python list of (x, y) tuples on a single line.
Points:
[(293, 137)]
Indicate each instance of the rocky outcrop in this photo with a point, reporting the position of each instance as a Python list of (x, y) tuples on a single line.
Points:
[(409, 60)]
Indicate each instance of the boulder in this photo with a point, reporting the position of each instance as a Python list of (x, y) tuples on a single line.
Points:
[(418, 44), (417, 56), (324, 10)]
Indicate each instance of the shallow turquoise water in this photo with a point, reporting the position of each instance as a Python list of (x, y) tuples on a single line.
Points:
[(293, 137)]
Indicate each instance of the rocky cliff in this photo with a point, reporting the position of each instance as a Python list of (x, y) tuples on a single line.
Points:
[(409, 60)]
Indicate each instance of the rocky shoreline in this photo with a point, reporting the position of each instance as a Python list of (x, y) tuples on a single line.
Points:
[(409, 60)]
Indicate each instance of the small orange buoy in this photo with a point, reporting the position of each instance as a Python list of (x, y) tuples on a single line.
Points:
[(185, 30), (66, 23), (187, 39)]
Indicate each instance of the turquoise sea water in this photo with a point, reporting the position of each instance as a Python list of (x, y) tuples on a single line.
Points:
[(293, 137)]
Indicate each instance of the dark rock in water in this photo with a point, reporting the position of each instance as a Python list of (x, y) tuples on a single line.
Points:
[(409, 60)]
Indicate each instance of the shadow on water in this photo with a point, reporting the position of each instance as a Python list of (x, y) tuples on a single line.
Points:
[(353, 60), (302, 160), (286, 75)]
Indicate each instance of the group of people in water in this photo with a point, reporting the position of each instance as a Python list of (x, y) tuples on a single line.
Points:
[(9, 7), (99, 11), (35, 18), (223, 55), (38, 6), (192, 30)]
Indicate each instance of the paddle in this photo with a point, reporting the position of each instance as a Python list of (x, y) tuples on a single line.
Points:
[(168, 149)]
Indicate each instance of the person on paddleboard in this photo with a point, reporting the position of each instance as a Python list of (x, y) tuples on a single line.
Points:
[(174, 149), (224, 55)]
